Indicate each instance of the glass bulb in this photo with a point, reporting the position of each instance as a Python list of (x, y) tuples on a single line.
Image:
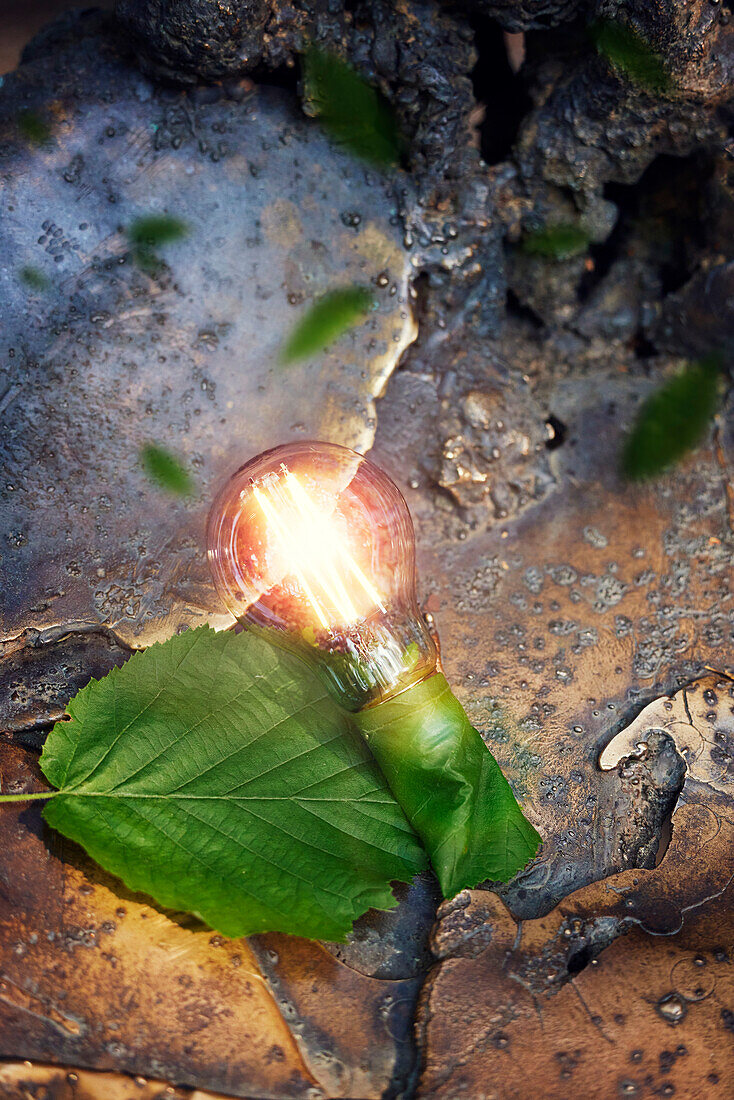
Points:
[(313, 545)]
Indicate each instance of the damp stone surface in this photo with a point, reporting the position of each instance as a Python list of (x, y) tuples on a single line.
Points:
[(585, 623)]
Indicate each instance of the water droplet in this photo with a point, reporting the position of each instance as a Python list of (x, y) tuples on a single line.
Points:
[(672, 1008)]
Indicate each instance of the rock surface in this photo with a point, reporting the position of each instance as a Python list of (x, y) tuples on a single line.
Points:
[(109, 357), (625, 987), (578, 616)]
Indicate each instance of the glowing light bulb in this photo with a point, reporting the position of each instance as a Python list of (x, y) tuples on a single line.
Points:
[(313, 544)]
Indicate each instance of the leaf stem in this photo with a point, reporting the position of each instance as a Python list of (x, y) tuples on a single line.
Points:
[(27, 797)]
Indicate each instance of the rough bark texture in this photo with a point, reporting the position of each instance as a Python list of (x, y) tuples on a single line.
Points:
[(579, 618)]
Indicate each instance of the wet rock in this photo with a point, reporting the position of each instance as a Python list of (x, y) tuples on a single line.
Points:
[(645, 796), (109, 355), (591, 127), (494, 436), (549, 289), (56, 1082), (592, 991), (698, 718), (623, 304), (201, 39), (700, 317), (40, 668), (562, 619), (198, 38), (526, 15), (696, 42), (565, 601), (394, 944)]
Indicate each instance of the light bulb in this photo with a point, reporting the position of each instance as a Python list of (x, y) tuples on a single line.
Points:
[(313, 545)]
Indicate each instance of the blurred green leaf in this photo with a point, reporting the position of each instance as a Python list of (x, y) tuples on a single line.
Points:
[(33, 278), (673, 420), (149, 233), (34, 128), (162, 468), (351, 111), (156, 229), (328, 319), (629, 53), (556, 242)]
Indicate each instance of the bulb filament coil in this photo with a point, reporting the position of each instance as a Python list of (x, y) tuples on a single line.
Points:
[(310, 544)]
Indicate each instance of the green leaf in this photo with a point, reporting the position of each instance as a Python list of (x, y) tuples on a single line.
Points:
[(214, 773), (148, 233), (328, 319), (33, 278), (673, 420), (556, 242), (156, 229), (631, 55), (34, 127), (165, 470), (449, 785), (351, 111)]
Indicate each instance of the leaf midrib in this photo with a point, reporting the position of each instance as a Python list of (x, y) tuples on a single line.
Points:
[(76, 792)]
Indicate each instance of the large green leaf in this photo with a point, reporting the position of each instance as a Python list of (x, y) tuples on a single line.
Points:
[(214, 773)]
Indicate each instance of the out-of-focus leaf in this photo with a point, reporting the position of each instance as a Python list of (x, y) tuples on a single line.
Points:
[(328, 319), (556, 242), (34, 127), (629, 53), (351, 111), (673, 420), (33, 278), (165, 470), (156, 229), (215, 773), (147, 234)]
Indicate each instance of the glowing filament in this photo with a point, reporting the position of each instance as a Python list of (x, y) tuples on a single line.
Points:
[(310, 543)]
